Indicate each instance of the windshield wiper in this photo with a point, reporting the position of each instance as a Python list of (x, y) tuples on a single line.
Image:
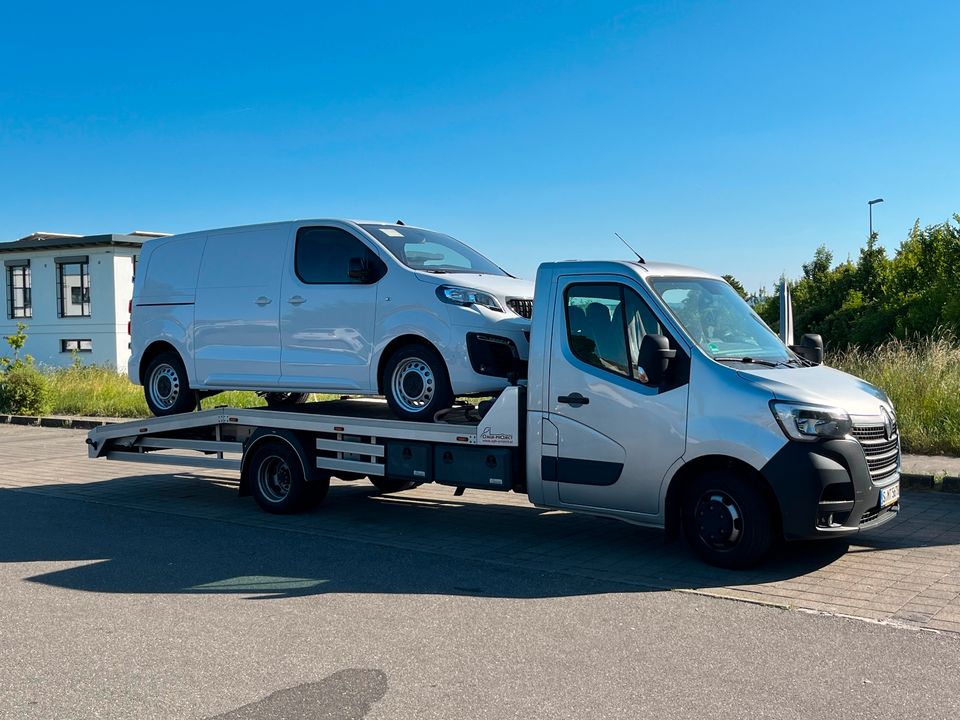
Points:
[(749, 360)]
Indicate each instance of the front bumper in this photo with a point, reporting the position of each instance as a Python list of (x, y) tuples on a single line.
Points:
[(824, 489)]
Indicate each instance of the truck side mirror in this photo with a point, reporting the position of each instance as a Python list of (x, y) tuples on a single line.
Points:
[(810, 348), (357, 269), (654, 357)]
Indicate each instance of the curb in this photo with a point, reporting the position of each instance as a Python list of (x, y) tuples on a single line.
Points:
[(55, 422), (908, 481)]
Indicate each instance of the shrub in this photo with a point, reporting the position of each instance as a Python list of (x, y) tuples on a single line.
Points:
[(24, 391)]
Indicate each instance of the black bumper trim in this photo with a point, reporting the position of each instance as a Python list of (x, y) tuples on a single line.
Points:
[(800, 473)]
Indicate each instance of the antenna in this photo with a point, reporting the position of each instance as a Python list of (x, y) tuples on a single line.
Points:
[(631, 249)]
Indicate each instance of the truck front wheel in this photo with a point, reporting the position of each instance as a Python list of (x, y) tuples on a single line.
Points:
[(727, 520)]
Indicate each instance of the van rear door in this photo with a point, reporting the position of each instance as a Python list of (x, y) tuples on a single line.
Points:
[(237, 320)]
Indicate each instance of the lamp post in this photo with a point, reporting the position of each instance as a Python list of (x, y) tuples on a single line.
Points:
[(870, 204)]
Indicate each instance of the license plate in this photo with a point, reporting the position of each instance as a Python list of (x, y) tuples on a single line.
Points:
[(889, 495)]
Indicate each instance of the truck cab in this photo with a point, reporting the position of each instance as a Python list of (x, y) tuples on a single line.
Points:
[(657, 396)]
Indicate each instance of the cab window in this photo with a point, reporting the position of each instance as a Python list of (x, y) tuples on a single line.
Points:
[(606, 324), (329, 255)]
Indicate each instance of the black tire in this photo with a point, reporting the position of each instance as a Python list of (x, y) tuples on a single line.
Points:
[(392, 485), (728, 520), (277, 481), (166, 387), (416, 383), (284, 399)]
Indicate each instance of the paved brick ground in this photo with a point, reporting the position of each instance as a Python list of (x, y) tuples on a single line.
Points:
[(906, 573)]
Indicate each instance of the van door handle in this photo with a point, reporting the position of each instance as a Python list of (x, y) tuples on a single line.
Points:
[(574, 400), (261, 301), (297, 300)]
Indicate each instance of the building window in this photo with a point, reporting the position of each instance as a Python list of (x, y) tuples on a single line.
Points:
[(70, 346), (19, 300), (73, 286)]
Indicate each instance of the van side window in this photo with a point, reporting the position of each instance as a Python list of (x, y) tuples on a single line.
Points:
[(606, 324), (329, 255)]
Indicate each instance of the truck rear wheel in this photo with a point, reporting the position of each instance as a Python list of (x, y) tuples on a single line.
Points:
[(166, 387), (416, 383), (277, 480), (727, 520)]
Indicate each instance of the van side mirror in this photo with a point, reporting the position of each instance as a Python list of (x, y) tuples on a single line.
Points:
[(810, 348), (654, 357), (358, 270)]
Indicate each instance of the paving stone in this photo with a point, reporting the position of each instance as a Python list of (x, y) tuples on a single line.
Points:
[(907, 571)]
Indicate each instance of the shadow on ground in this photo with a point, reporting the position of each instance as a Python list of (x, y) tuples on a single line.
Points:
[(358, 542)]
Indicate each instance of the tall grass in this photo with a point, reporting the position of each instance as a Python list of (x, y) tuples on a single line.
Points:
[(922, 378), (103, 392)]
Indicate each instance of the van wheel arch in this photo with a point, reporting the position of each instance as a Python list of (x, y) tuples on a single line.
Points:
[(673, 506), (399, 342), (157, 348)]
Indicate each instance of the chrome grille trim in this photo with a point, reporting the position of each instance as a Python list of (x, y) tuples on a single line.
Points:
[(882, 453), (521, 306)]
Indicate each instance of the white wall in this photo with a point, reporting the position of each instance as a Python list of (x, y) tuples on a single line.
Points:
[(111, 287)]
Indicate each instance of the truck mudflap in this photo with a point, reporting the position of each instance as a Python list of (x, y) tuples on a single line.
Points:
[(824, 489)]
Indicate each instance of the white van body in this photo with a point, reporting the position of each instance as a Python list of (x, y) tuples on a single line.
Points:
[(274, 308)]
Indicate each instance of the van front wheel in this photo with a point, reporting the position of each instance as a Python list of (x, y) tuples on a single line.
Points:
[(416, 383), (165, 386)]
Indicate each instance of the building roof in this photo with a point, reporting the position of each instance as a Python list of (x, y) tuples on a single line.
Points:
[(57, 241)]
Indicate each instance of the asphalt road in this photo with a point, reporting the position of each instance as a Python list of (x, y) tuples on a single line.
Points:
[(111, 612)]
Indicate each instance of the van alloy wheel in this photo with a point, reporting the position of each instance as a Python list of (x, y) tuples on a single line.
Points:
[(164, 386), (414, 384)]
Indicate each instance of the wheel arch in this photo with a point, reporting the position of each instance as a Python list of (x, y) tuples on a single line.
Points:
[(155, 348), (400, 341), (264, 435), (673, 502)]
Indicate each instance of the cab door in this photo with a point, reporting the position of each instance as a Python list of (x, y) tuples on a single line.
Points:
[(617, 435), (328, 306)]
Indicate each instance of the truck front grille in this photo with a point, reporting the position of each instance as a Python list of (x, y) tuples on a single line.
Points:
[(521, 306), (883, 453)]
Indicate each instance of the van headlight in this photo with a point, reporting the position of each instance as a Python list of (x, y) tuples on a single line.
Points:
[(809, 422), (467, 296)]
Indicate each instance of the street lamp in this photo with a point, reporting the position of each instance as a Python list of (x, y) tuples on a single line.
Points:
[(870, 204)]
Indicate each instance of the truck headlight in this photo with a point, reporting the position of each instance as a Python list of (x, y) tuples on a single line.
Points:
[(809, 422), (467, 296)]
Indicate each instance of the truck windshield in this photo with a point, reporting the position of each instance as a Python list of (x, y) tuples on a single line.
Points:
[(719, 321), (430, 251)]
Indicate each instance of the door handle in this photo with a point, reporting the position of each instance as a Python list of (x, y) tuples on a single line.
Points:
[(574, 400), (261, 301), (297, 300)]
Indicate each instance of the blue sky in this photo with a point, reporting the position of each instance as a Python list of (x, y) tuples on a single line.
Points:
[(732, 136)]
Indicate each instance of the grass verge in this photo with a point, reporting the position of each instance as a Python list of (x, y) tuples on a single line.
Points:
[(922, 378)]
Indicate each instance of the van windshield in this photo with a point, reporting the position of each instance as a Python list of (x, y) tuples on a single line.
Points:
[(430, 251), (719, 321)]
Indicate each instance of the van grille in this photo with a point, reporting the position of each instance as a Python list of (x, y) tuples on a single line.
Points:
[(883, 454), (521, 306)]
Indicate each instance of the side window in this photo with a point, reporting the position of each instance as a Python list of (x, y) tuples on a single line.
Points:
[(606, 324), (328, 255)]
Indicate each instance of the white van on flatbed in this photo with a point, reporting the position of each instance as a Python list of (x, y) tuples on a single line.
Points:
[(333, 306), (654, 395)]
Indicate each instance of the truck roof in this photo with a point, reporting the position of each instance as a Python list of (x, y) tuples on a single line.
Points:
[(644, 269)]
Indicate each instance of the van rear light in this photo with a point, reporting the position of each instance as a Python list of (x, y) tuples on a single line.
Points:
[(129, 317)]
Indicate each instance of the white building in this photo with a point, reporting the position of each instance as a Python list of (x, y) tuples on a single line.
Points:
[(73, 293)]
